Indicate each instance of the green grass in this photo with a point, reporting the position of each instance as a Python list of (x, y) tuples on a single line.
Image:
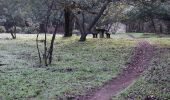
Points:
[(155, 81), (76, 68)]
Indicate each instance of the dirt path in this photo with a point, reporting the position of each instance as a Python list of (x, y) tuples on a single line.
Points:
[(139, 63)]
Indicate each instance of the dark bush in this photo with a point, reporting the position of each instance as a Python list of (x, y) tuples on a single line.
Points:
[(2, 29)]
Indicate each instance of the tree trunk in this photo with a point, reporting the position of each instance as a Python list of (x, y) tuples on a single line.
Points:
[(50, 52), (161, 29), (168, 27), (45, 56), (13, 32), (68, 22), (153, 24), (13, 36), (83, 36), (38, 49)]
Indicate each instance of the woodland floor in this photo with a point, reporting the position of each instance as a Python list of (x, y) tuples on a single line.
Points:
[(138, 64), (99, 69)]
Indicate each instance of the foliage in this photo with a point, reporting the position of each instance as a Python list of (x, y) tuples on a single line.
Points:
[(2, 29), (18, 29), (29, 30), (145, 10)]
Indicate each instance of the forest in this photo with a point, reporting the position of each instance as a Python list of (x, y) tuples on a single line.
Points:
[(84, 49)]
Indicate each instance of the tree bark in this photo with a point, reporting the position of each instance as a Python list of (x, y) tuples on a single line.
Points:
[(153, 24), (168, 27), (68, 22)]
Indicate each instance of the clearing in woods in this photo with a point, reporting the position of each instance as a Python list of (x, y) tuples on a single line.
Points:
[(79, 70)]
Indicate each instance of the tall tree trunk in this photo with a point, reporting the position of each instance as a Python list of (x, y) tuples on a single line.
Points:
[(68, 22), (104, 7), (142, 26), (13, 32), (13, 36), (38, 49), (161, 29), (153, 24), (83, 21), (168, 27)]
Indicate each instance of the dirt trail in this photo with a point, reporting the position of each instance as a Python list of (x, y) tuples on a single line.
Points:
[(139, 63)]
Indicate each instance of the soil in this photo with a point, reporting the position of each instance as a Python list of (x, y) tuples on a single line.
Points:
[(140, 61)]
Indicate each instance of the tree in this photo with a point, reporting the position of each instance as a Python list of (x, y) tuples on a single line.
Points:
[(87, 9), (148, 11), (50, 14), (69, 22), (12, 10)]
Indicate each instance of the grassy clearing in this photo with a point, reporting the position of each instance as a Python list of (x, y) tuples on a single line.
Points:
[(77, 67)]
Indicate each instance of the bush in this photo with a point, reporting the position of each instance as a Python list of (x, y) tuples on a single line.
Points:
[(18, 29), (77, 32), (30, 30), (2, 29)]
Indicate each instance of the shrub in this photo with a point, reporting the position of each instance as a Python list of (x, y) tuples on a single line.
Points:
[(29, 30), (76, 32), (18, 29), (2, 29)]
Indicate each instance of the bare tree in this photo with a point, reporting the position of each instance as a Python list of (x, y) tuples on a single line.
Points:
[(48, 52)]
